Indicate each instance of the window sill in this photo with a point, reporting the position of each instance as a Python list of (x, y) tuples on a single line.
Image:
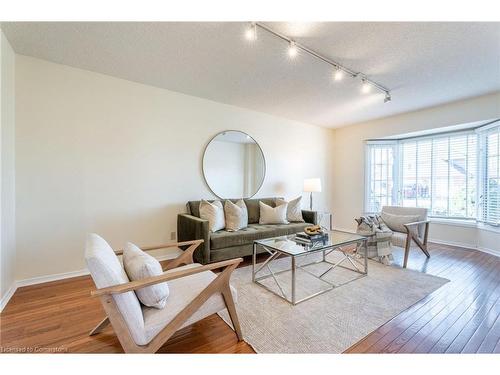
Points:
[(488, 228), (466, 224), (455, 222)]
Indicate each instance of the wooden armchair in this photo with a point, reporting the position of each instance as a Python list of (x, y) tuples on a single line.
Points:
[(195, 293), (413, 234), (417, 231)]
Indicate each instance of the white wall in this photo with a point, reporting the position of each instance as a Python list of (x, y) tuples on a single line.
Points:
[(349, 159), (101, 154), (7, 110)]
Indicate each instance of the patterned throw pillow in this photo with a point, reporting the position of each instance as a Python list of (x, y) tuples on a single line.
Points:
[(294, 210), (214, 213), (273, 215), (236, 215), (140, 265)]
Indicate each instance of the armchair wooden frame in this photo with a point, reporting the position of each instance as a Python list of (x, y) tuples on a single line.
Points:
[(219, 285), (412, 234)]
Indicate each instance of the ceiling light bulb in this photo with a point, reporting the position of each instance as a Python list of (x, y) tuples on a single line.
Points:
[(251, 32), (292, 49), (338, 75), (366, 87)]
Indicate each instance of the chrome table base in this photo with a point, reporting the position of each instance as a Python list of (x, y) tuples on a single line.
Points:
[(361, 269)]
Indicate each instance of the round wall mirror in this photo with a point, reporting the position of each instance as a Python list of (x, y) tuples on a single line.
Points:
[(233, 165)]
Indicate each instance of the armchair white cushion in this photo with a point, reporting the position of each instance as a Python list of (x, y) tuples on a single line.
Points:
[(396, 222), (421, 213), (106, 270), (183, 291), (413, 227)]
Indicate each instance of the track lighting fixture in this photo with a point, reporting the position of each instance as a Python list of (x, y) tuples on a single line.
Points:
[(251, 32), (365, 87), (292, 49), (338, 74), (340, 70)]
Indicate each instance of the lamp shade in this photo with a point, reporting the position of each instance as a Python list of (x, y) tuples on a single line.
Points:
[(312, 185)]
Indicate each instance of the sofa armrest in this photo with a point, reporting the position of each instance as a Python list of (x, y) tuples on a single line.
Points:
[(310, 216), (189, 228)]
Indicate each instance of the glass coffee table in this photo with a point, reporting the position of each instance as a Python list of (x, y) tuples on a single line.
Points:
[(285, 246)]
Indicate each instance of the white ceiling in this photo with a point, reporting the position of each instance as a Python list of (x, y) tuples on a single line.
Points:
[(423, 64)]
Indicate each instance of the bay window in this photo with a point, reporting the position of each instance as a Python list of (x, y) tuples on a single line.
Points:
[(454, 175)]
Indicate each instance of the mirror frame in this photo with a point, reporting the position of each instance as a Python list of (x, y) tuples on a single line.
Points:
[(203, 169)]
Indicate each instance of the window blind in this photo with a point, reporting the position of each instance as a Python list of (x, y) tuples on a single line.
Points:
[(489, 206), (379, 177), (439, 173)]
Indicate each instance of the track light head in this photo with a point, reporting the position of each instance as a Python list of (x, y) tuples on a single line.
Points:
[(339, 71), (338, 74), (365, 87), (292, 49), (251, 32)]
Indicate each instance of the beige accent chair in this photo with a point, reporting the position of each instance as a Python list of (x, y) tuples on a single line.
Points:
[(195, 293), (417, 231)]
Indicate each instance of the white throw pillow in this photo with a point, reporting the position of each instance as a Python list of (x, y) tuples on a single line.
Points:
[(273, 215), (395, 222), (294, 210), (214, 213), (139, 265), (236, 215)]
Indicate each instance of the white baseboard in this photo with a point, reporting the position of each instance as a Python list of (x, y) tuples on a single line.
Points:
[(451, 243), (49, 278), (467, 246), (55, 277), (6, 298), (489, 251)]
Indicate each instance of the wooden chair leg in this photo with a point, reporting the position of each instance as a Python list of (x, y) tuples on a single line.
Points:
[(407, 250), (231, 308), (426, 237), (424, 249), (98, 328)]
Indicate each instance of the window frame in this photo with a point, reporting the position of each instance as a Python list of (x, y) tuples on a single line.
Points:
[(482, 134), (480, 157), (367, 171)]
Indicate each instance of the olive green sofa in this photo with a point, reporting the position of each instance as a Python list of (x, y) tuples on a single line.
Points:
[(222, 245)]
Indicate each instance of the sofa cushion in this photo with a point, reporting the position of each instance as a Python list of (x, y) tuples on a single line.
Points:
[(193, 207), (273, 215), (294, 209), (236, 215), (254, 209), (245, 236), (214, 213)]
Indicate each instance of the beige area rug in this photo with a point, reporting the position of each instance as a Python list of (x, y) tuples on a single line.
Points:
[(331, 322)]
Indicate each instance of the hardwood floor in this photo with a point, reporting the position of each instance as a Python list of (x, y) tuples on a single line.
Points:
[(462, 316)]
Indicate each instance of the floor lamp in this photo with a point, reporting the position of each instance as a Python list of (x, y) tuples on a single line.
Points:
[(312, 185)]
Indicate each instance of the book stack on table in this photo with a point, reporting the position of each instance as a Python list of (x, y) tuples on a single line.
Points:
[(308, 239)]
